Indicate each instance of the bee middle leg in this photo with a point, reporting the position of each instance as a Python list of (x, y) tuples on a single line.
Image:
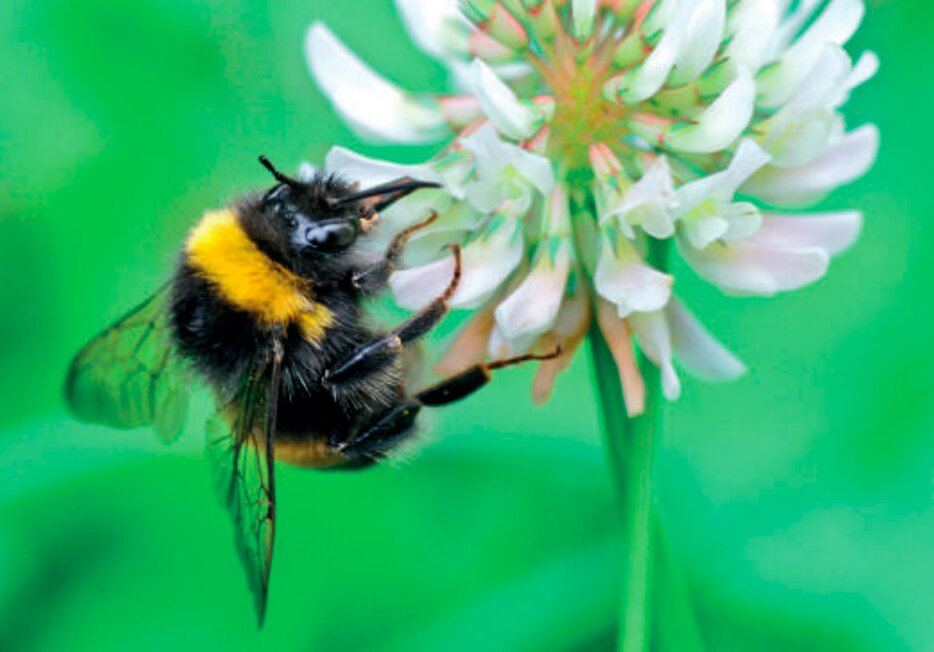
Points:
[(377, 355)]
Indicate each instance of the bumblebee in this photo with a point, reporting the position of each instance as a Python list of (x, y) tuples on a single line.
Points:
[(265, 309)]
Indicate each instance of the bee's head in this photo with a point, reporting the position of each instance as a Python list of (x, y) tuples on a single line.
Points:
[(325, 215)]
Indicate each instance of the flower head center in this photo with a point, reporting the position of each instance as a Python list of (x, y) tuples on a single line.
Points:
[(583, 116)]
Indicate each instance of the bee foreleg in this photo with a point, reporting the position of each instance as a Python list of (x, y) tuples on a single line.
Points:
[(429, 316), (375, 277)]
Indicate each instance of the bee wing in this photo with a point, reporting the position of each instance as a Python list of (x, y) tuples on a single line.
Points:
[(240, 447), (131, 374)]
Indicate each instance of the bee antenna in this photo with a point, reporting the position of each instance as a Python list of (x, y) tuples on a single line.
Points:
[(281, 178)]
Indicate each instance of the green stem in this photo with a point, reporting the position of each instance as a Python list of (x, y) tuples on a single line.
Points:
[(675, 620), (628, 443)]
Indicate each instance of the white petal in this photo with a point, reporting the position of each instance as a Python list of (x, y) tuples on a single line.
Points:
[(648, 78), (456, 222), (753, 24), (504, 171), (847, 161), (835, 25), (832, 232), (306, 171), (432, 24), (487, 262), (791, 25), (626, 281), (865, 69), (654, 337), (512, 118), (463, 78), (697, 349), (803, 140), (533, 306), (748, 159), (663, 14), (807, 125), (374, 107), (750, 267), (743, 219), (704, 231), (824, 84), (583, 16), (722, 122), (371, 171), (704, 34), (646, 203)]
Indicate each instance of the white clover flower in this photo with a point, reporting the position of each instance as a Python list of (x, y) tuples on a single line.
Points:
[(585, 135)]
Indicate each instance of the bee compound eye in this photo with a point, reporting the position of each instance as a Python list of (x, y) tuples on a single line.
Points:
[(331, 236)]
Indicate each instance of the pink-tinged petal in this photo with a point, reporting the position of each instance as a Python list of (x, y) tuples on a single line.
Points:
[(626, 281), (654, 338), (495, 19), (460, 110), (832, 232), (604, 161), (533, 306), (469, 347), (754, 267), (619, 339), (722, 122), (485, 47), (500, 346), (513, 118), (373, 106), (847, 161), (487, 263), (697, 350), (568, 332), (704, 35)]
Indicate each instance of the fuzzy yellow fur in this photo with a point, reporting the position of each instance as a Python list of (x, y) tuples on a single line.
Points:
[(222, 253)]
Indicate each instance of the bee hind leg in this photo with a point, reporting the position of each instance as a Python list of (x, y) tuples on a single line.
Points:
[(383, 433), (472, 379)]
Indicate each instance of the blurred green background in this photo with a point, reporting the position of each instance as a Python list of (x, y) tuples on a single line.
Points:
[(798, 500)]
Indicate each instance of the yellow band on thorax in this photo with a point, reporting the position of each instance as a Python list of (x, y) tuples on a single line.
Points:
[(221, 252)]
